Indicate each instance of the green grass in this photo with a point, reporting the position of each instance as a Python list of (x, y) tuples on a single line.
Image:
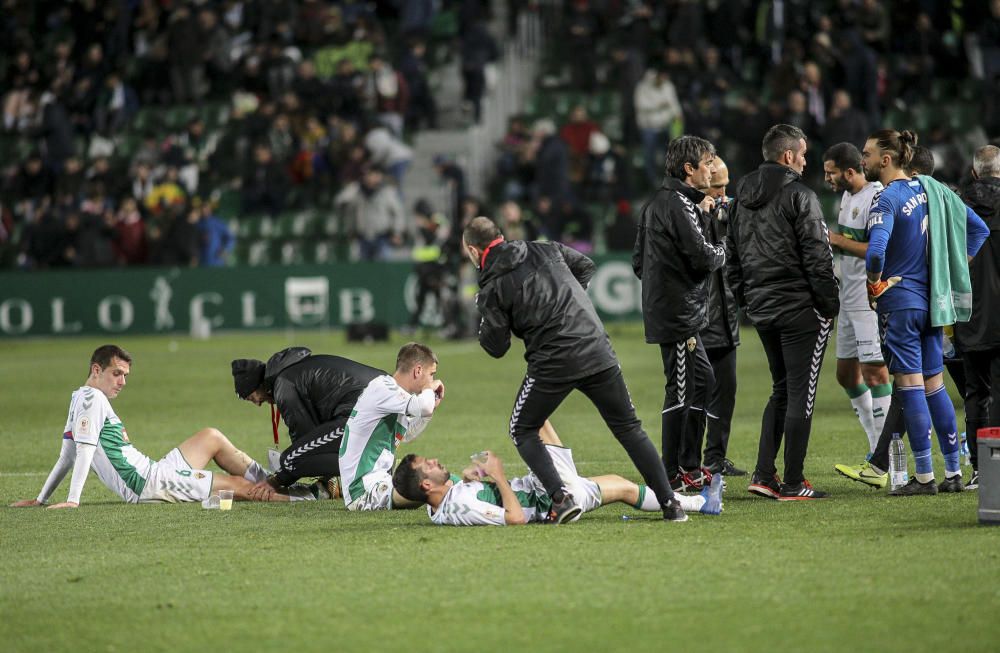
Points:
[(861, 571)]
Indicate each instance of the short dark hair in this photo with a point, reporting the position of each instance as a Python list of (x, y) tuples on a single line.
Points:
[(922, 161), (845, 156), (779, 139), (480, 232), (407, 478), (897, 144), (686, 149), (414, 353), (104, 354)]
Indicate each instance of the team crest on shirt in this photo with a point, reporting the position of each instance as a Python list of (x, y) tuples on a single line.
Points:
[(199, 475), (692, 344), (84, 425), (855, 212)]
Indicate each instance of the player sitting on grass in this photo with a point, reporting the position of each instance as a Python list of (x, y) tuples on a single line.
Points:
[(95, 437), (471, 501), (391, 410)]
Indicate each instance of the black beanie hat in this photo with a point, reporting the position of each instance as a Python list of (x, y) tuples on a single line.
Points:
[(248, 375)]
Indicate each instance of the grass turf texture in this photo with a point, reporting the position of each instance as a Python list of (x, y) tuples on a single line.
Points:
[(859, 571)]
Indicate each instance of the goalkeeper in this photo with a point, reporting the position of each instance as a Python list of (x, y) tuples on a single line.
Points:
[(914, 216), (471, 501)]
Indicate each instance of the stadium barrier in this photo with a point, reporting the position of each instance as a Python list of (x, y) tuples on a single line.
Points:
[(200, 300)]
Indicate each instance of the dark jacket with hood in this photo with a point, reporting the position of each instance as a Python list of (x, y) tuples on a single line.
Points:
[(723, 330), (313, 391), (537, 291), (674, 259), (982, 331), (780, 261)]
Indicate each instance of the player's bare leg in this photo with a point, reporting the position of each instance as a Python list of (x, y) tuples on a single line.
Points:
[(211, 444)]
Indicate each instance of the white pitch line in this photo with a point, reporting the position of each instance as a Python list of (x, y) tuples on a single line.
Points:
[(23, 473)]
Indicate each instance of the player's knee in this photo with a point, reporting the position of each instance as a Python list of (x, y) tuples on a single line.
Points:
[(213, 434)]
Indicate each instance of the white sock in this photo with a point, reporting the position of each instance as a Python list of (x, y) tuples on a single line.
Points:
[(255, 473), (925, 478), (862, 405), (880, 408), (299, 492), (647, 500), (690, 503)]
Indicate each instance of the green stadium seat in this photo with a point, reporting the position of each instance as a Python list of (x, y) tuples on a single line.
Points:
[(229, 203), (289, 252)]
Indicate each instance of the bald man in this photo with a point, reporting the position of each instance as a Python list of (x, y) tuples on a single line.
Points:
[(722, 336)]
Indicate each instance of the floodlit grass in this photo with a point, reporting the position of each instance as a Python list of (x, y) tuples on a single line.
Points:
[(860, 571)]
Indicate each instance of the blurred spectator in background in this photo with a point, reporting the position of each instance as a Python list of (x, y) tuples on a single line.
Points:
[(372, 209), (264, 183), (656, 109), (576, 134), (216, 239), (478, 49), (421, 109)]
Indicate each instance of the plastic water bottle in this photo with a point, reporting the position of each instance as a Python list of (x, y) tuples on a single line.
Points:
[(963, 449), (898, 477)]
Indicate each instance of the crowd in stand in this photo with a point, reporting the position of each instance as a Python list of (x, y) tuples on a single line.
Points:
[(311, 103), (283, 104), (726, 70)]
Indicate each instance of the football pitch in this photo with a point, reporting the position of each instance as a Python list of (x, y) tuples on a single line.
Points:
[(858, 572)]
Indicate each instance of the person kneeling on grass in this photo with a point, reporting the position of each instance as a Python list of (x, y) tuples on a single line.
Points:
[(471, 501), (95, 437)]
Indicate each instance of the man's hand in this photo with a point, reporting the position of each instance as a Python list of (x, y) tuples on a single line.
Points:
[(438, 387), (64, 504), (472, 473), (26, 503), (262, 491), (878, 288), (835, 238), (493, 467), (707, 204)]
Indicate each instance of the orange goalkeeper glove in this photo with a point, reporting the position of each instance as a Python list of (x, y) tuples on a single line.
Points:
[(877, 289)]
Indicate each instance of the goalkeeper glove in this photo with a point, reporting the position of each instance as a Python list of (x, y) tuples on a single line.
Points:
[(877, 288)]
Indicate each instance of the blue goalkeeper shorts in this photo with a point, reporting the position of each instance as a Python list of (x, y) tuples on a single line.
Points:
[(910, 345)]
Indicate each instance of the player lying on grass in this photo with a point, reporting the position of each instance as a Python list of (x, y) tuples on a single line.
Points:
[(470, 500), (95, 437), (391, 410)]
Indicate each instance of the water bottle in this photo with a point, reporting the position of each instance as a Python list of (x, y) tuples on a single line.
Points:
[(963, 449), (898, 476)]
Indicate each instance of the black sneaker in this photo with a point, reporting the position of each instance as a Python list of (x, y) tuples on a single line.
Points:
[(952, 484), (913, 488), (729, 469), (673, 511), (800, 492), (564, 511), (973, 483), (767, 488)]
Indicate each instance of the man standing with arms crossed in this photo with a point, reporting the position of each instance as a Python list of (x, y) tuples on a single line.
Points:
[(781, 271), (674, 260), (860, 369), (537, 291)]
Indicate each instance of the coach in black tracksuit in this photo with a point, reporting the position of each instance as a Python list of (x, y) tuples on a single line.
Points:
[(781, 271), (315, 396), (537, 291), (674, 260), (979, 338)]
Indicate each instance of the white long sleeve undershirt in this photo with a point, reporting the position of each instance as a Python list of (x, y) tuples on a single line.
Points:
[(84, 456), (67, 454)]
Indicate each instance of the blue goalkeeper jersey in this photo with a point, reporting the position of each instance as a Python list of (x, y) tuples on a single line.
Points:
[(897, 244)]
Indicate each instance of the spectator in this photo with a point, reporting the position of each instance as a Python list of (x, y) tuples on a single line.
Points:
[(389, 153), (576, 134), (551, 163), (264, 183), (130, 234), (656, 109), (478, 49), (372, 209), (845, 124), (215, 237), (389, 94), (185, 49)]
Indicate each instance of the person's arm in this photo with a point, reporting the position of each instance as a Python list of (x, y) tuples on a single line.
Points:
[(734, 268), (848, 246), (513, 512), (494, 323), (67, 454), (581, 266), (294, 413), (701, 254), (81, 468), (817, 257), (976, 232), (880, 223)]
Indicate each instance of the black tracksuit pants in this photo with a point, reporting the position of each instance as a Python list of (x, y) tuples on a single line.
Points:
[(315, 454), (721, 404), (689, 379), (795, 348), (538, 399)]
